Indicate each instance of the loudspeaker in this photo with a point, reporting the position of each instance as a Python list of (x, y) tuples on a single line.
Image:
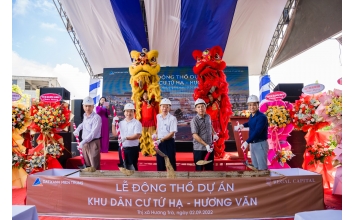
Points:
[(78, 112), (293, 90), (65, 94), (291, 99), (67, 147)]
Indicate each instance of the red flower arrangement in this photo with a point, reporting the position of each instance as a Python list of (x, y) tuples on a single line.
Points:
[(18, 160), (305, 118), (304, 115), (319, 158), (48, 118), (319, 152)]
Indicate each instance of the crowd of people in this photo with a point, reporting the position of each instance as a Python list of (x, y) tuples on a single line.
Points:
[(95, 135)]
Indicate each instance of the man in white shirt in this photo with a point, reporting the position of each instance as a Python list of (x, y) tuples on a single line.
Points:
[(166, 130), (91, 134), (130, 131)]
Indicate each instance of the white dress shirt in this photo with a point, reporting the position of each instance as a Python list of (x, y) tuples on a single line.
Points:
[(91, 128), (128, 129), (166, 125)]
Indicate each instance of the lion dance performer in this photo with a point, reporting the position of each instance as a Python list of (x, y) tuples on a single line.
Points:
[(146, 94), (213, 88)]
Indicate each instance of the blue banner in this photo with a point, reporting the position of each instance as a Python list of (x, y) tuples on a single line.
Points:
[(177, 84)]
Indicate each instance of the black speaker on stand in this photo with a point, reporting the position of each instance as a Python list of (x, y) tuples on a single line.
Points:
[(293, 90), (78, 112)]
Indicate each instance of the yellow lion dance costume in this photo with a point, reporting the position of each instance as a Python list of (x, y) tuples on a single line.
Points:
[(146, 94)]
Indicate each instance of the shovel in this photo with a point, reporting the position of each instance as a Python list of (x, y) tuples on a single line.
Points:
[(244, 153), (162, 154), (169, 168), (205, 161), (124, 169)]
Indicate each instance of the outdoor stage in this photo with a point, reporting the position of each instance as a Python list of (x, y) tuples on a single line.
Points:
[(184, 160)]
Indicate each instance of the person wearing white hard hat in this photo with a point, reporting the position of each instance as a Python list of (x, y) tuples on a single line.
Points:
[(203, 133), (165, 135), (91, 134), (258, 134), (130, 131)]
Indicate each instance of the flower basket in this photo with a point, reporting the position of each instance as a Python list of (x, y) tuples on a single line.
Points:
[(331, 110), (279, 128), (48, 118), (305, 118), (20, 121), (319, 158)]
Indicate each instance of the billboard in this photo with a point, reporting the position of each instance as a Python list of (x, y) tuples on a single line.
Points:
[(177, 84)]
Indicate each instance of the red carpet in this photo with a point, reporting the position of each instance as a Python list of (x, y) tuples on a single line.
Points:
[(184, 161)]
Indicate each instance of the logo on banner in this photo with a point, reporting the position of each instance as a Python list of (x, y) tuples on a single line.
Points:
[(313, 88), (115, 72), (274, 96), (271, 182), (37, 182), (50, 97)]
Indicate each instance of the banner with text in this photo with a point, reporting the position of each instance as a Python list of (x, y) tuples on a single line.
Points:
[(180, 198), (177, 84)]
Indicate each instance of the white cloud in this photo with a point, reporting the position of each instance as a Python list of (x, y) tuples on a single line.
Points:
[(69, 77), (50, 40), (20, 7), (51, 26), (44, 5), (321, 63)]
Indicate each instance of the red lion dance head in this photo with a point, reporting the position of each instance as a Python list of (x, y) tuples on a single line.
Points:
[(213, 88)]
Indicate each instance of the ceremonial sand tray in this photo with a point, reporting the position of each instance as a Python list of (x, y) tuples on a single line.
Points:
[(185, 174)]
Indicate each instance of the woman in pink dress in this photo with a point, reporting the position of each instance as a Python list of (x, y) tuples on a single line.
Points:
[(103, 111)]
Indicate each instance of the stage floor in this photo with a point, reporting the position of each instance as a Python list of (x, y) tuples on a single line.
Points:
[(184, 160)]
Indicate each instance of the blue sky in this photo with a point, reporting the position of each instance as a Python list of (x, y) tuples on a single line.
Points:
[(41, 46)]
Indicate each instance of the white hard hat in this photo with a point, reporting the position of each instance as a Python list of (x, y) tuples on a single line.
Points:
[(199, 101), (129, 106), (252, 98), (88, 101), (165, 101)]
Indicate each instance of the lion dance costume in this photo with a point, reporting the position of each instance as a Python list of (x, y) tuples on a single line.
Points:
[(212, 82), (144, 79)]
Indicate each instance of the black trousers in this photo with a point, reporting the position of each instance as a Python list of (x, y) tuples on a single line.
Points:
[(200, 155), (131, 156), (167, 147)]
